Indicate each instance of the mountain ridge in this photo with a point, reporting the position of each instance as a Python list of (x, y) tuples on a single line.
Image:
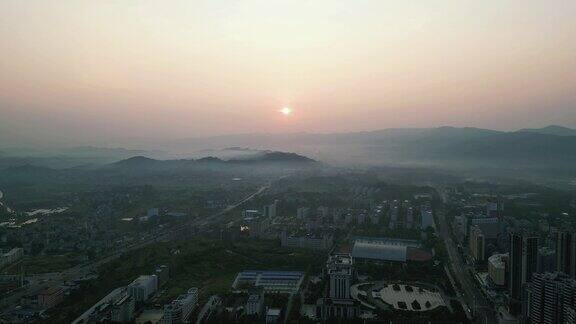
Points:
[(262, 157), (551, 130)]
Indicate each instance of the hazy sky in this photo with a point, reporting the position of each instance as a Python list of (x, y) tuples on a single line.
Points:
[(72, 69)]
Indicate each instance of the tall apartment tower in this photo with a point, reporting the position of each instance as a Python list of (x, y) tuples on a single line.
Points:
[(552, 299), (477, 244), (341, 274), (523, 263), (566, 253), (338, 303), (270, 211)]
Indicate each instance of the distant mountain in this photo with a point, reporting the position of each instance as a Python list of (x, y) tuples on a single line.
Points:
[(263, 157), (525, 146), (65, 158), (209, 159), (137, 161), (277, 157), (228, 153), (412, 146), (551, 130)]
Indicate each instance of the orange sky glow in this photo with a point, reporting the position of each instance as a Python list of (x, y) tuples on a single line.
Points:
[(173, 69)]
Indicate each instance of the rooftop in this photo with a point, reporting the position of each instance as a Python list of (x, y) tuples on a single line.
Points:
[(273, 312), (379, 251), (340, 264)]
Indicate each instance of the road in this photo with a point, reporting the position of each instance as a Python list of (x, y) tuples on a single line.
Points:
[(83, 270), (481, 309), (288, 308)]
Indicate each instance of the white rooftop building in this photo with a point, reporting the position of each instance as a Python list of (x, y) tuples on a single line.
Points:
[(143, 287), (270, 281), (380, 251)]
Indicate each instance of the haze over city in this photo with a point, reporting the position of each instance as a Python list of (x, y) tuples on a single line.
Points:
[(94, 72), (288, 161)]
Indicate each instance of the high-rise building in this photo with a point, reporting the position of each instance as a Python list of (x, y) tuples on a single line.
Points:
[(394, 211), (409, 218), (323, 241), (491, 227), (324, 211), (523, 263), (338, 304), (566, 253), (546, 260), (477, 244), (163, 274), (50, 297), (427, 217), (497, 269), (153, 212), (271, 210), (340, 273), (255, 304), (552, 298), (302, 212), (461, 227), (493, 209), (143, 287)]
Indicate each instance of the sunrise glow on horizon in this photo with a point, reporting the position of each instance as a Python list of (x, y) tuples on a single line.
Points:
[(112, 69)]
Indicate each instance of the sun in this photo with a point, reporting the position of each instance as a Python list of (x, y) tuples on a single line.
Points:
[(286, 111)]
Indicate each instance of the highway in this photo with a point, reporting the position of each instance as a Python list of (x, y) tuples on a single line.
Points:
[(481, 309), (83, 270)]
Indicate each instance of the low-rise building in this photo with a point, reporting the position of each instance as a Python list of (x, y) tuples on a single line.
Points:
[(273, 315), (11, 256), (123, 309), (254, 304), (179, 310), (249, 214), (50, 297), (322, 241), (387, 249), (270, 281)]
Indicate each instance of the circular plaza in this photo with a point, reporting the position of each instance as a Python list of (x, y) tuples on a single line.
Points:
[(412, 297)]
